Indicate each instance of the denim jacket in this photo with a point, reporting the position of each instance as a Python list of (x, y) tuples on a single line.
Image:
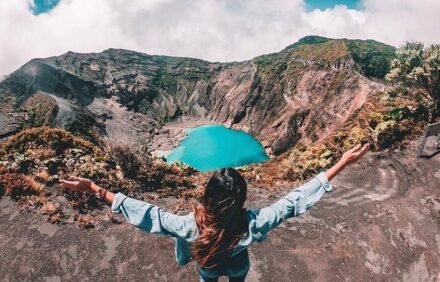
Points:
[(183, 229)]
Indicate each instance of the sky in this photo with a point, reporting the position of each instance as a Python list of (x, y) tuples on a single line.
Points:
[(214, 30)]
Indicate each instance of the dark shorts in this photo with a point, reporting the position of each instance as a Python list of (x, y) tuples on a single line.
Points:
[(237, 269)]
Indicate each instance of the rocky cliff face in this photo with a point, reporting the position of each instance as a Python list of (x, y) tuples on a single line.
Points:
[(303, 92)]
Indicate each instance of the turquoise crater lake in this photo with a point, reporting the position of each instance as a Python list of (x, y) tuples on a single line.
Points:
[(211, 147)]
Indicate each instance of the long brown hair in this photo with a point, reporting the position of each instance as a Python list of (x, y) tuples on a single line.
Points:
[(221, 218)]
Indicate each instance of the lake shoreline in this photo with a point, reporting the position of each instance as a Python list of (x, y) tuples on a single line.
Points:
[(169, 135), (214, 146), (172, 133)]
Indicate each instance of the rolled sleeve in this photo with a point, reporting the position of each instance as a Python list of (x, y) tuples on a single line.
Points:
[(117, 202), (324, 182)]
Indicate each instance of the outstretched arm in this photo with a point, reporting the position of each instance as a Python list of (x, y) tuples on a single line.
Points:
[(86, 185), (143, 215), (304, 197)]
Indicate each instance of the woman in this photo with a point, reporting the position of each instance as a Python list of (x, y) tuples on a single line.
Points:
[(216, 235)]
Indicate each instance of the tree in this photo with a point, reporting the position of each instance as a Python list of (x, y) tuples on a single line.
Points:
[(417, 66)]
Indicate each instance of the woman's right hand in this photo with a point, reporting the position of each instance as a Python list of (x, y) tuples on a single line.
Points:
[(77, 184)]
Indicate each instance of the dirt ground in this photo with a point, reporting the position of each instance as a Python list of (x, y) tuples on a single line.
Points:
[(381, 223)]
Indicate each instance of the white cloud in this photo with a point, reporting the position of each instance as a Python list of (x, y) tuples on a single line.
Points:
[(216, 30)]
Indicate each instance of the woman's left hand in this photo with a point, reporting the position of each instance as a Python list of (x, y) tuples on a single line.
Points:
[(77, 184), (348, 157), (354, 154)]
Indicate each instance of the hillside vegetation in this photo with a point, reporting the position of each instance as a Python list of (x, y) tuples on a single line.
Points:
[(99, 116)]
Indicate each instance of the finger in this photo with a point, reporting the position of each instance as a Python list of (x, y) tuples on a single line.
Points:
[(69, 184), (365, 150), (361, 152), (355, 148), (74, 178), (366, 147)]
